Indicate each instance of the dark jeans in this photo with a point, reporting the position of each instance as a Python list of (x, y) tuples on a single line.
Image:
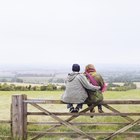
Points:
[(100, 107), (78, 105)]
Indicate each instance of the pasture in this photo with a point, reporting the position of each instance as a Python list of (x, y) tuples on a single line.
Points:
[(6, 100)]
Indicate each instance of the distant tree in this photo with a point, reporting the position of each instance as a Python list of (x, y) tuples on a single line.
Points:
[(5, 87), (50, 80), (21, 88), (130, 85), (43, 88), (29, 87), (4, 80), (16, 80), (19, 80), (36, 88), (51, 87), (63, 87), (12, 87), (59, 80)]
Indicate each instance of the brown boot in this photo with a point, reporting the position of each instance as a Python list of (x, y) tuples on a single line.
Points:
[(100, 111)]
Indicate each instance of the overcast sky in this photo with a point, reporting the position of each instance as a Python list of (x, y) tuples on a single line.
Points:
[(69, 31)]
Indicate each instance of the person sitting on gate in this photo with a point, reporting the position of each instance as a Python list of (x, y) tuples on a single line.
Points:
[(96, 80), (75, 92)]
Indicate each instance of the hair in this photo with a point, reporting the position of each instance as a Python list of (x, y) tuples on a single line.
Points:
[(90, 67)]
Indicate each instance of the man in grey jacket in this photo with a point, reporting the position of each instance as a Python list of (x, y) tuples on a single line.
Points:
[(76, 86)]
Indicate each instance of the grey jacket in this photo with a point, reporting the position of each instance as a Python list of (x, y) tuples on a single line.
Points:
[(76, 88)]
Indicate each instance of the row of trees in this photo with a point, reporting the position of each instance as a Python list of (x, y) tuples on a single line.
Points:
[(53, 87), (18, 80), (125, 87), (13, 87)]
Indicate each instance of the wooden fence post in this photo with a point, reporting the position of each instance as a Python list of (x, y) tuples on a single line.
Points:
[(19, 117)]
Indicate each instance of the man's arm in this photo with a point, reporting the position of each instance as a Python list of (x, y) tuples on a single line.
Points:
[(86, 83)]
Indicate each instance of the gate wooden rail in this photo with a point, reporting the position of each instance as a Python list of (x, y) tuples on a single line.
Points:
[(20, 112)]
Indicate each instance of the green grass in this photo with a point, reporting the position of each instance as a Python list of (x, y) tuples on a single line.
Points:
[(5, 102), (130, 94)]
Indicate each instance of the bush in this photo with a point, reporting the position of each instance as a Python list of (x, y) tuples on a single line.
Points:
[(63, 87), (125, 87), (5, 87), (36, 88), (12, 87), (43, 88), (51, 87)]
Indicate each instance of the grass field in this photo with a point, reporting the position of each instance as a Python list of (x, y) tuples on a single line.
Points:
[(5, 101)]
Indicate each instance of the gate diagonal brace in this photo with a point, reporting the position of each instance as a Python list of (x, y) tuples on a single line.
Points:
[(69, 119), (116, 111), (62, 121), (123, 129)]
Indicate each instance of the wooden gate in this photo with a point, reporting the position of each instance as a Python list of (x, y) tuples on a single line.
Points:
[(20, 112)]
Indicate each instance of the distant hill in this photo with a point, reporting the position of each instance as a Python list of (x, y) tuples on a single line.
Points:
[(41, 74)]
